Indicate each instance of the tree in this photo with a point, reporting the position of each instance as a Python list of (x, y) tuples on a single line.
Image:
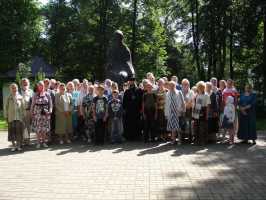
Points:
[(20, 29), (23, 71)]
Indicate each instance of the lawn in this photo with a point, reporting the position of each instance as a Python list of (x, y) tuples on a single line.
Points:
[(261, 124), (3, 124)]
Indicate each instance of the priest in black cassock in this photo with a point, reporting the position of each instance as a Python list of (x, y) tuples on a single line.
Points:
[(132, 105)]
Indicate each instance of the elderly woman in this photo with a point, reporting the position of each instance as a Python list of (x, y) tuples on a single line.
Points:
[(149, 105), (188, 97), (80, 133), (174, 108), (41, 109), (213, 120), (27, 94), (87, 113), (200, 114), (15, 113), (150, 76), (175, 79), (73, 89), (247, 116), (63, 109), (160, 118)]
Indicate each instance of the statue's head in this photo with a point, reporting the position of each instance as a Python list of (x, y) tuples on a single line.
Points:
[(118, 36)]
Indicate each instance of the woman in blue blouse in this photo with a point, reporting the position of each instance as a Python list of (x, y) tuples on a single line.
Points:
[(247, 116)]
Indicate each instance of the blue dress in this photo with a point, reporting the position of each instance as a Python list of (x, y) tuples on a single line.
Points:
[(247, 123)]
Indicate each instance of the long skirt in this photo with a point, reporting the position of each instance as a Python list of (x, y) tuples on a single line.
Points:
[(173, 123), (63, 124), (27, 124), (161, 122), (132, 126), (213, 129), (200, 131), (247, 127), (15, 131)]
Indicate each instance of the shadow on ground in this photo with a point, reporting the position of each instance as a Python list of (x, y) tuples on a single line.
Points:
[(224, 172)]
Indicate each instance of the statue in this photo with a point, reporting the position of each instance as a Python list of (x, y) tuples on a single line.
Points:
[(119, 66)]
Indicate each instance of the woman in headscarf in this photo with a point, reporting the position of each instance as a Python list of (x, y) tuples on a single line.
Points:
[(15, 114), (41, 109)]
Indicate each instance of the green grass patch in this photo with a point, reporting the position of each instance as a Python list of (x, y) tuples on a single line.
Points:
[(261, 124), (3, 124)]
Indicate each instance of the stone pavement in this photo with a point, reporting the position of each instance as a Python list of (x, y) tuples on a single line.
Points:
[(134, 171)]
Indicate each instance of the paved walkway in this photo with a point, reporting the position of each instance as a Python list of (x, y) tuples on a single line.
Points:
[(134, 171)]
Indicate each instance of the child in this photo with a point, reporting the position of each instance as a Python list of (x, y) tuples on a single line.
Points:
[(149, 113), (229, 118), (100, 114), (14, 114), (87, 114), (200, 114), (115, 113)]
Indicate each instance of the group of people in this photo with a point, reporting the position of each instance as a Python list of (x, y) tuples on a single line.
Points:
[(154, 111)]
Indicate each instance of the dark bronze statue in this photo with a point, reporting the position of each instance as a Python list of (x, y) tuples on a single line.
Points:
[(119, 66)]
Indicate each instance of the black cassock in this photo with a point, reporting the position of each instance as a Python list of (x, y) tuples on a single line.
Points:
[(132, 103)]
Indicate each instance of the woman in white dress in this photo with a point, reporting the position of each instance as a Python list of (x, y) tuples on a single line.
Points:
[(174, 108)]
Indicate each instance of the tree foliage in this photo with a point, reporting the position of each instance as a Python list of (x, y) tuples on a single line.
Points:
[(196, 39), (19, 32)]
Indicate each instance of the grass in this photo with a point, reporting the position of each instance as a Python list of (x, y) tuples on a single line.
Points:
[(261, 124), (3, 124)]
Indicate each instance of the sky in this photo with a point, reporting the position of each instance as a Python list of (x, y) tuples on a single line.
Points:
[(44, 1)]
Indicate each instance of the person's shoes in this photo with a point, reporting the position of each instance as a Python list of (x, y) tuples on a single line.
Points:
[(19, 149), (254, 142), (45, 145), (61, 142), (244, 142), (38, 146), (89, 141), (68, 141), (75, 137), (13, 149), (173, 142)]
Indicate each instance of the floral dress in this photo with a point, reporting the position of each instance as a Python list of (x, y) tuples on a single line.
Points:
[(41, 103)]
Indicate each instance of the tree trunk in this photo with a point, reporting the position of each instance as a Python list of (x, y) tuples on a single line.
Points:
[(231, 68), (223, 58), (195, 33), (213, 40), (134, 30), (224, 36), (264, 54), (103, 42)]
